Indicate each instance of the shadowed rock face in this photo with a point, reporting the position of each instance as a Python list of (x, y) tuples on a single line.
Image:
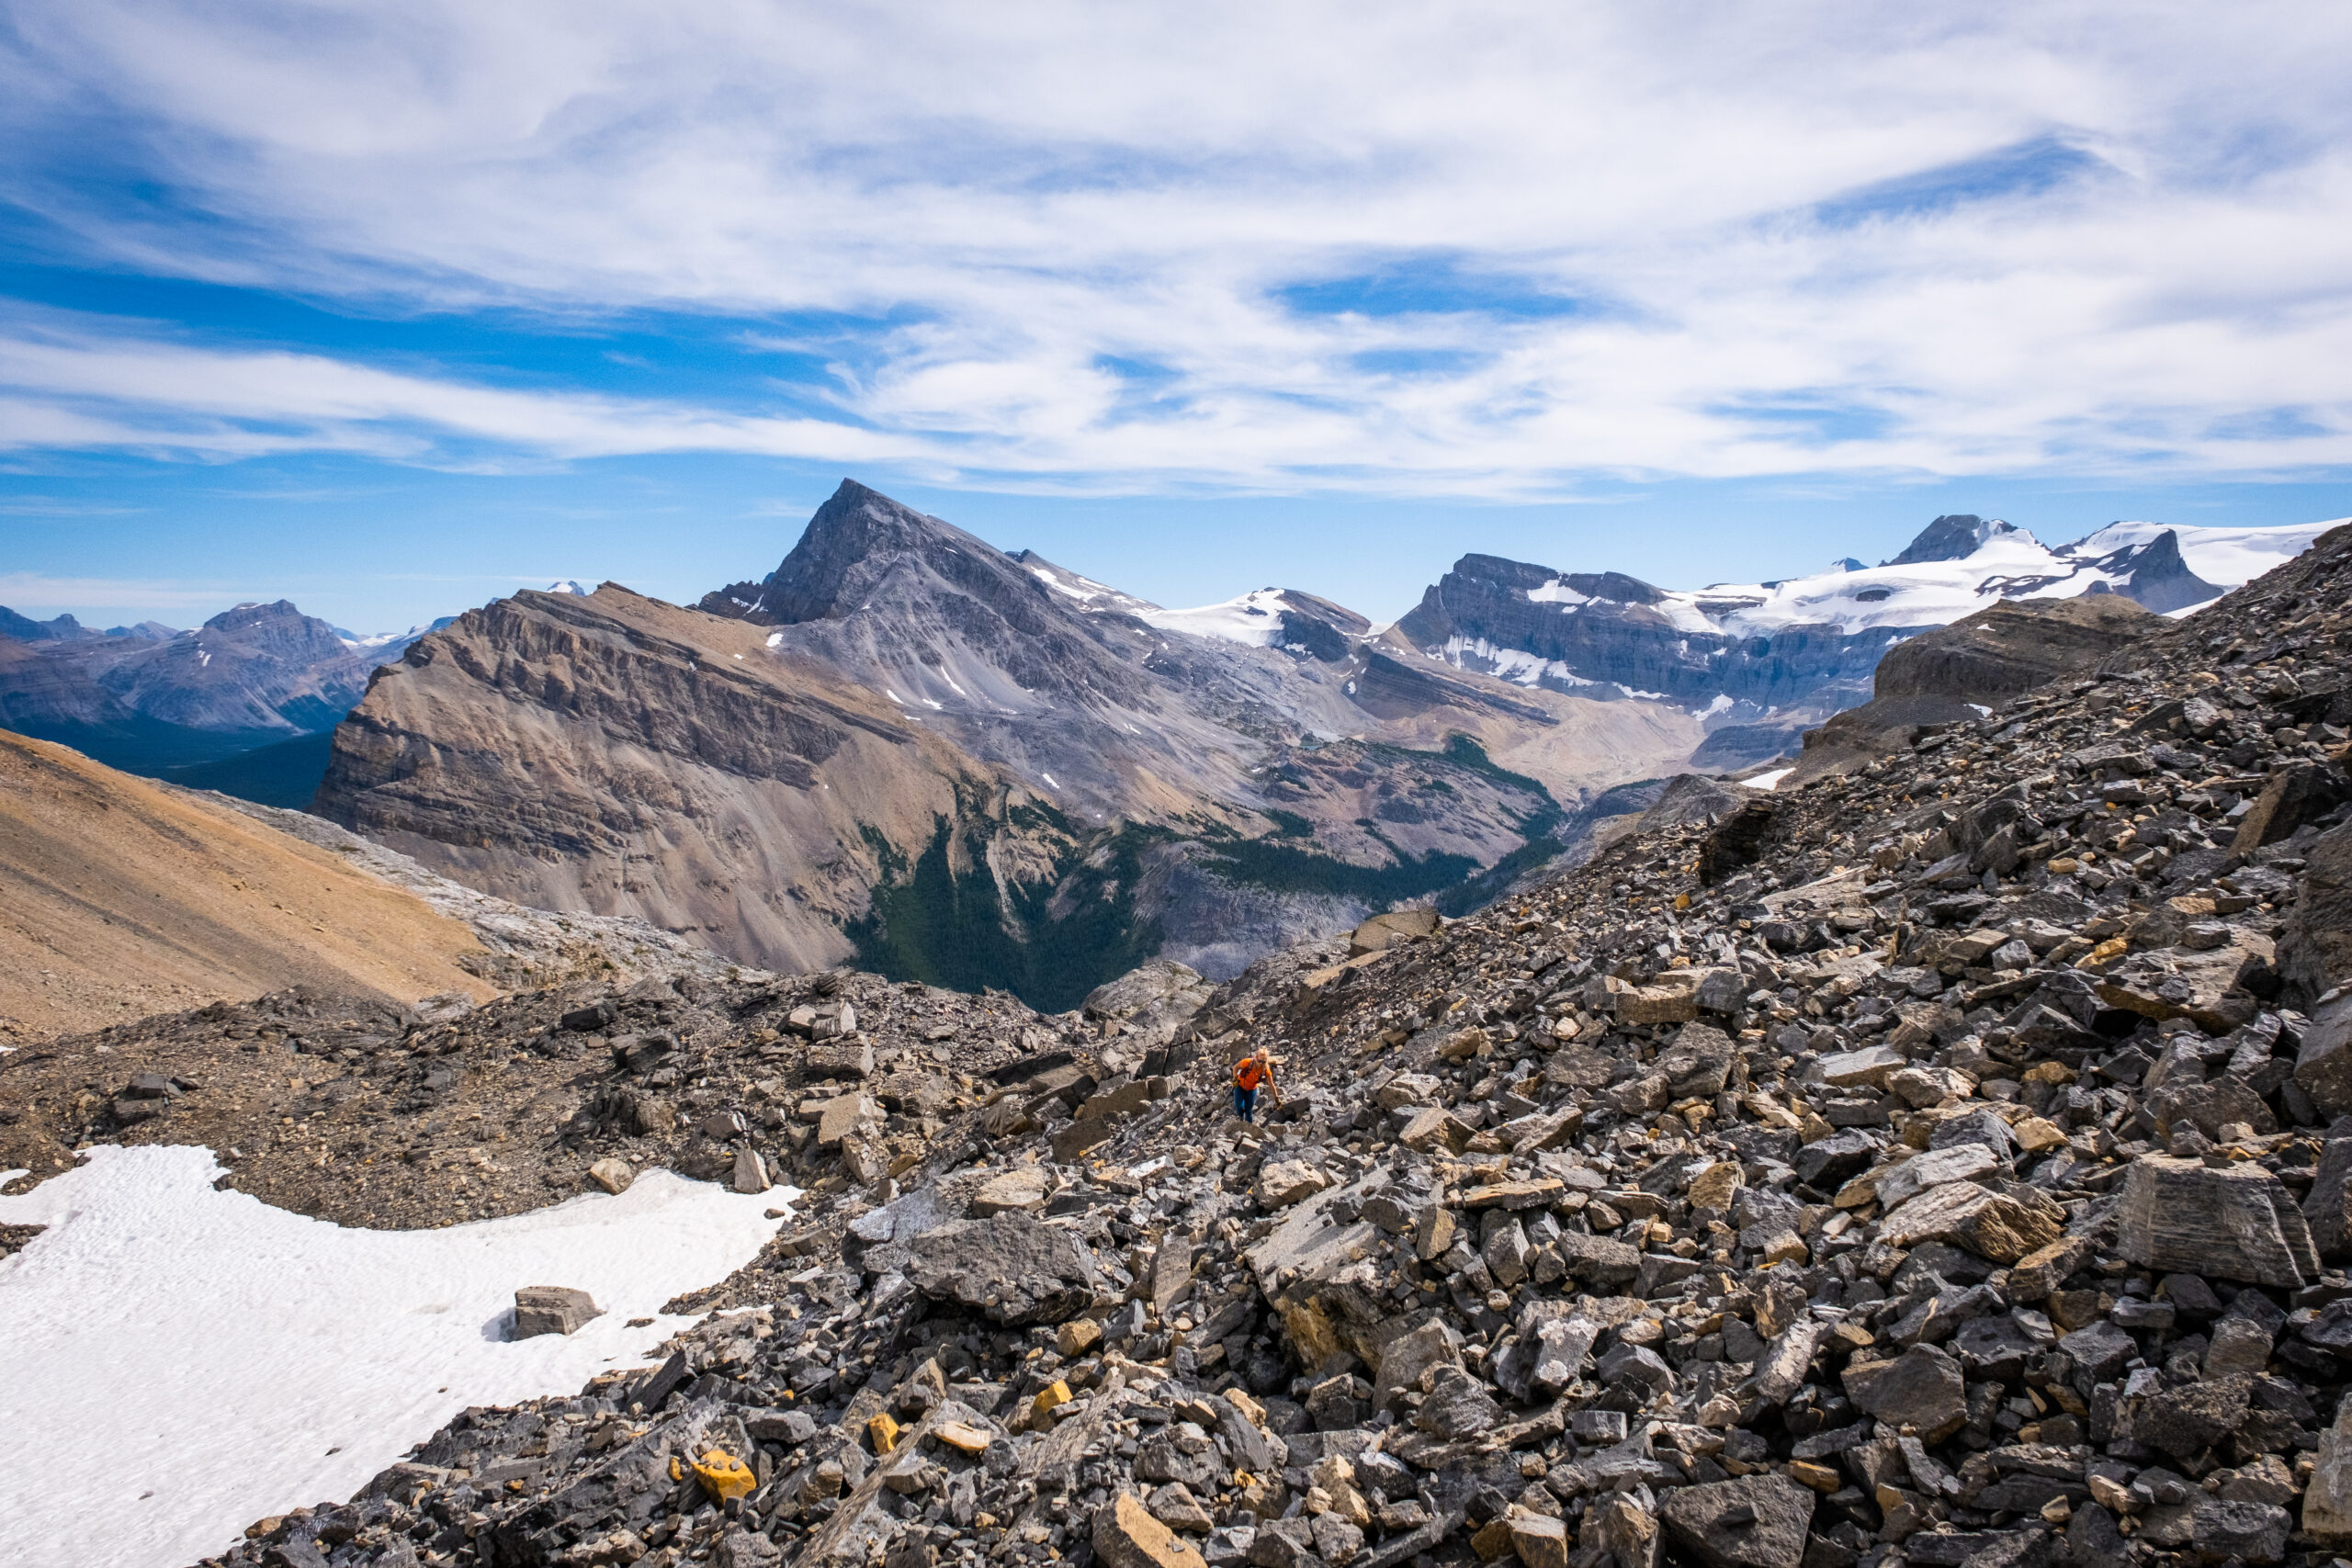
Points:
[(1620, 639), (2011, 648), (2156, 577)]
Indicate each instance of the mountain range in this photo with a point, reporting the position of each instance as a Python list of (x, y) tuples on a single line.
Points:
[(961, 764), (250, 676), (1759, 663), (951, 762)]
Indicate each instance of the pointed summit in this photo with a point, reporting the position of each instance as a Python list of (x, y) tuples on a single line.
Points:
[(850, 546)]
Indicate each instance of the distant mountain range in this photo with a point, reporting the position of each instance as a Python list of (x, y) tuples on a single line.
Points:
[(975, 767), (1758, 664), (243, 703), (957, 763)]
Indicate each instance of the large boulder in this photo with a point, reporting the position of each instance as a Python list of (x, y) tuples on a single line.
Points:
[(1153, 1000), (1922, 1388), (2235, 1220), (1752, 1521), (1382, 933), (1009, 1266), (552, 1309), (2323, 1061), (2327, 1501), (2316, 950), (2004, 1227)]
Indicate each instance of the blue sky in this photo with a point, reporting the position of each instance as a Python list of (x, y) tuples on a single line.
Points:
[(391, 309)]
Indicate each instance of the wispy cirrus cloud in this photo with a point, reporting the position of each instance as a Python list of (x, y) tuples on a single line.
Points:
[(1495, 249)]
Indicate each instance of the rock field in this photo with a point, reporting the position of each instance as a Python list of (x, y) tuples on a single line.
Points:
[(1949, 1163)]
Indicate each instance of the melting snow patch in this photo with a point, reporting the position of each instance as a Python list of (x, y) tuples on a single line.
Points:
[(1049, 779), (1769, 781), (187, 1360), (775, 638)]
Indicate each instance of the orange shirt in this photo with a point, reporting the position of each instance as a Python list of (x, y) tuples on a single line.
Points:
[(1251, 1073)]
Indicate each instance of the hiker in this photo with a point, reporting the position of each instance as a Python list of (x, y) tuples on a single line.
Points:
[(1250, 1074)]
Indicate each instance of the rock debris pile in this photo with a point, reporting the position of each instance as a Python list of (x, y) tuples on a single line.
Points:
[(1946, 1164)]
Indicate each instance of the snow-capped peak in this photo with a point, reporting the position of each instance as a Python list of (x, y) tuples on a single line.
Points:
[(568, 585)]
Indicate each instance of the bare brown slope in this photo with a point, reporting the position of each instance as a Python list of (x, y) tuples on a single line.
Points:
[(120, 898)]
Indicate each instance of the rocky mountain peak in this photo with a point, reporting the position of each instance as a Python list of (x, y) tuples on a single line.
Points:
[(857, 542), (1956, 536), (2156, 575)]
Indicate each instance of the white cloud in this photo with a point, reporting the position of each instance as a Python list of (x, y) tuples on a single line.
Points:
[(41, 595), (2146, 270)]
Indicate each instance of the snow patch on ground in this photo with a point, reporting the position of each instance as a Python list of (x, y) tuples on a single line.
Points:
[(183, 1361), (1769, 781)]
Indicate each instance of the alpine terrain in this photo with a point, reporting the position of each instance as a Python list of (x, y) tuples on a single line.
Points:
[(952, 763), (1945, 1161)]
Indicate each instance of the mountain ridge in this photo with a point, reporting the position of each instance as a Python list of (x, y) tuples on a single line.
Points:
[(1090, 777)]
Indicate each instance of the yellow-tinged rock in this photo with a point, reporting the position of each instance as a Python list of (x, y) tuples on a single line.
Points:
[(961, 1436), (1811, 1129), (2102, 955), (884, 1432), (724, 1477), (2050, 1072), (1824, 1479), (1050, 1398), (1716, 1187), (1126, 1535), (1538, 1540), (1311, 1331), (1077, 1337), (2035, 1133), (1493, 1539)]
